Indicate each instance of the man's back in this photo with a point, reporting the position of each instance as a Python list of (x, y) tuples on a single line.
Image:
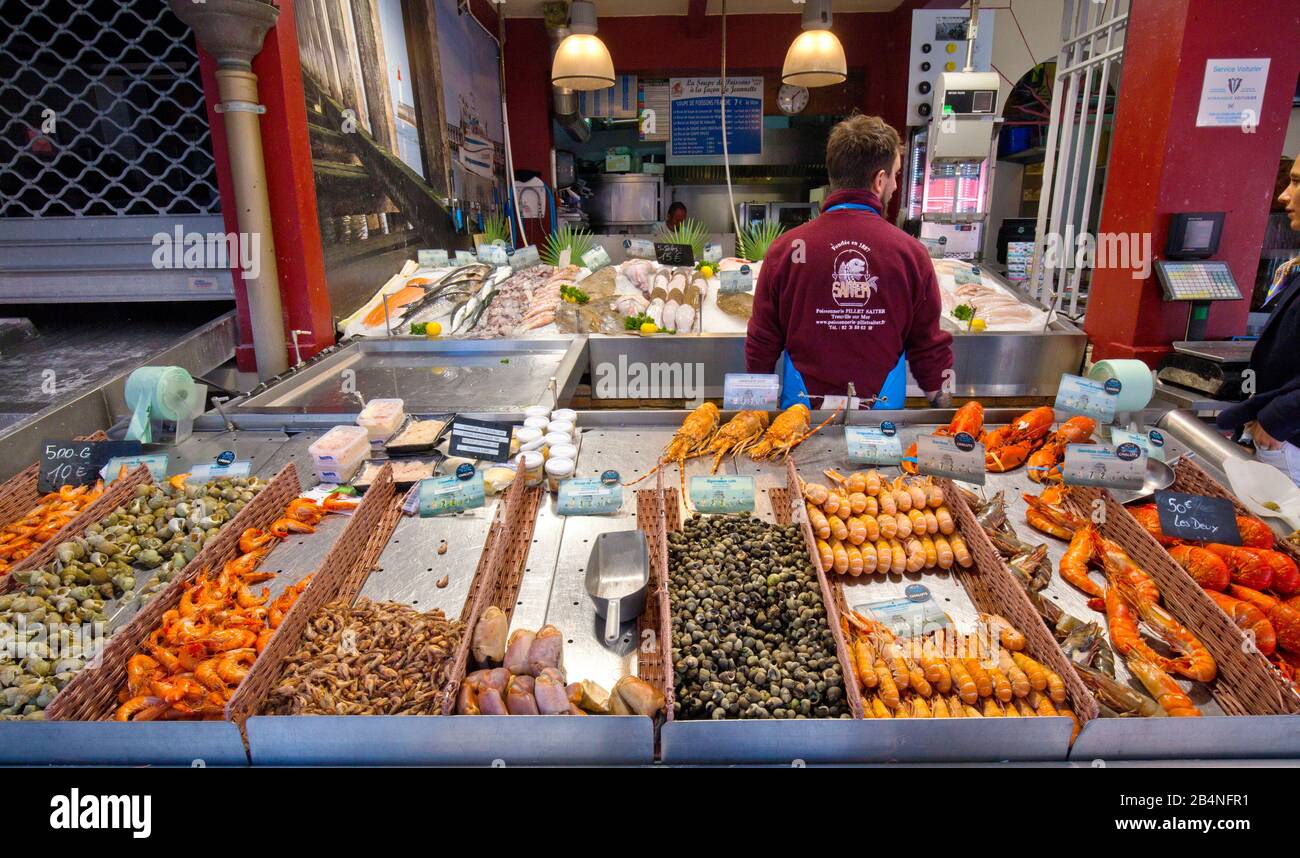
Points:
[(844, 295)]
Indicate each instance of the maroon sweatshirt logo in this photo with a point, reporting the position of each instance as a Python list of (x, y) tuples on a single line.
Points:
[(852, 283)]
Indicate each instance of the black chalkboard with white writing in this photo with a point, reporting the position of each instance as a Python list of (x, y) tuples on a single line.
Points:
[(77, 463), (674, 254), (1197, 517)]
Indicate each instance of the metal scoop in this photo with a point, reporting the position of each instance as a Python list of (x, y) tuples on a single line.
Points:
[(618, 573)]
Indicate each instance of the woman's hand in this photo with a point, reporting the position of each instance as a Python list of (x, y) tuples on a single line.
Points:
[(1262, 439)]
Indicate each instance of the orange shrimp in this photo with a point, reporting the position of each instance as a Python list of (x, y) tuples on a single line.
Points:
[(1074, 563), (140, 708), (1124, 634), (1195, 661), (1162, 686)]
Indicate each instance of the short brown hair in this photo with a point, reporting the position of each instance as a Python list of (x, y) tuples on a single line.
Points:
[(858, 149)]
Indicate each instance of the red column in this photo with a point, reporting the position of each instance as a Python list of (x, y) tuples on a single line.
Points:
[(292, 188), (1160, 162)]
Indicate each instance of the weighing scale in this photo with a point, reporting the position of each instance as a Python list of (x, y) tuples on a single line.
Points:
[(1212, 367)]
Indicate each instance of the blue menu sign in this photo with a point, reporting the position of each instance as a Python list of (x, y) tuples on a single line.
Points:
[(696, 111)]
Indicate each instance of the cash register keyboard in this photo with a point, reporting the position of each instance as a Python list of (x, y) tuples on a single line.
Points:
[(1197, 281)]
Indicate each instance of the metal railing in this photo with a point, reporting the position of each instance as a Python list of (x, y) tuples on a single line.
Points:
[(1087, 71)]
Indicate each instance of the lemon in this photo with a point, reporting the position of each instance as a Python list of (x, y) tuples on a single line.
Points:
[(649, 328), (978, 325), (433, 329), (706, 271)]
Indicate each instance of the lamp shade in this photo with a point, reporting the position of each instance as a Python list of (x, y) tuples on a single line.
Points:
[(582, 62), (815, 58)]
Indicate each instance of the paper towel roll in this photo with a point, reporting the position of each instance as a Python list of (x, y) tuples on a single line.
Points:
[(159, 393), (1136, 380)]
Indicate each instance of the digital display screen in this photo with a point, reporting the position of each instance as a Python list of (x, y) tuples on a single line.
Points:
[(1198, 235), (983, 102)]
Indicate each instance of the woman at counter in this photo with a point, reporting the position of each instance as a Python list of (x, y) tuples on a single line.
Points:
[(843, 296), (1272, 416)]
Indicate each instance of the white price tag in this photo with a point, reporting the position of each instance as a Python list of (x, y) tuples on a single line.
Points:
[(1152, 442), (959, 457), (1120, 467), (752, 391), (596, 258), (432, 258), (1087, 396), (874, 445), (740, 280), (639, 248)]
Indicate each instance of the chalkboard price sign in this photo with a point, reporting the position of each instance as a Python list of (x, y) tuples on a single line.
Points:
[(674, 254), (77, 463), (1197, 517)]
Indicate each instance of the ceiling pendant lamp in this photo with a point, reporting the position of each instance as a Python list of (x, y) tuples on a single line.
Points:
[(815, 57), (582, 61)]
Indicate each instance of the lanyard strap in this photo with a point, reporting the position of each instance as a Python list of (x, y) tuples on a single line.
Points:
[(857, 207)]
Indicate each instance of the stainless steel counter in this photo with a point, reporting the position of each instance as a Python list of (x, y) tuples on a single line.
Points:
[(553, 592)]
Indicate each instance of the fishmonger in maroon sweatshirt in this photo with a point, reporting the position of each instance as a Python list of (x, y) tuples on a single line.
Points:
[(848, 292)]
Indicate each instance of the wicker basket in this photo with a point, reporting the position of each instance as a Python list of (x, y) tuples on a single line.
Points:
[(655, 664), (328, 583), (1246, 684), (92, 693), (1192, 479), (990, 585), (114, 496), (501, 571)]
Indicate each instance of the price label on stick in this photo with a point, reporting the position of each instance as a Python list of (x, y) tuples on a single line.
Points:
[(639, 248), (722, 494), (596, 258), (751, 391), (589, 496), (1152, 442), (1198, 517), (450, 494), (464, 257), (1087, 396), (1120, 467), (873, 445), (432, 258), (78, 463), (738, 280), (493, 254), (959, 457), (155, 462)]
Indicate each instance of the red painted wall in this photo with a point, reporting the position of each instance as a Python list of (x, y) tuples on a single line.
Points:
[(1161, 162)]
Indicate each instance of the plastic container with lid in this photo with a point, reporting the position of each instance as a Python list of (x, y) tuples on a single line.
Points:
[(565, 414), (382, 417), (537, 411), (529, 439), (339, 453), (533, 472), (558, 470), (536, 423), (563, 451), (553, 439), (564, 426)]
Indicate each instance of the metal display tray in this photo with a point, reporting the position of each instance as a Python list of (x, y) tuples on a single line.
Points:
[(429, 375)]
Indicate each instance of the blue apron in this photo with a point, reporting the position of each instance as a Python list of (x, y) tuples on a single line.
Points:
[(894, 390)]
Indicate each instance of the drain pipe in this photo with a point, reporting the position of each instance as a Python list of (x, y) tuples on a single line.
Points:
[(232, 31)]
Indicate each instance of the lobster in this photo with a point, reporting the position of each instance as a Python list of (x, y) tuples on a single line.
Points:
[(969, 419), (1045, 462), (1007, 447)]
